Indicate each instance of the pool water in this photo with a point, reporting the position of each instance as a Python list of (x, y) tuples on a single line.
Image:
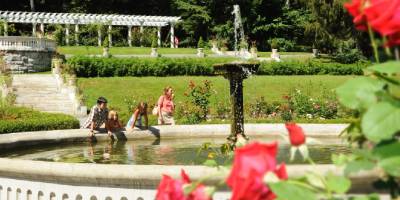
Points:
[(165, 152)]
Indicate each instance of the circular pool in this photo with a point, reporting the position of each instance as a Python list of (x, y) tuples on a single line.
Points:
[(63, 164)]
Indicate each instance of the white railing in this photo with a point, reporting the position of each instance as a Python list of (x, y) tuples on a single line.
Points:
[(13, 189), (26, 44)]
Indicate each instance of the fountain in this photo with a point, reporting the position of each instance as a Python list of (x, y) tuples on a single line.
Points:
[(240, 40), (236, 72)]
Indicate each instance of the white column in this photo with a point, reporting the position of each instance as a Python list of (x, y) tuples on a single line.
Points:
[(110, 35), (34, 29), (172, 32), (141, 35), (159, 36), (5, 28), (99, 36), (76, 34), (42, 28), (130, 36), (67, 34)]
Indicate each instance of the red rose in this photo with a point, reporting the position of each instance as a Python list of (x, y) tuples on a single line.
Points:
[(355, 8), (199, 193), (384, 16), (296, 134), (170, 189), (250, 164)]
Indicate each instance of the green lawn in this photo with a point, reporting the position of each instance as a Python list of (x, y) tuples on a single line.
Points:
[(150, 88), (91, 50)]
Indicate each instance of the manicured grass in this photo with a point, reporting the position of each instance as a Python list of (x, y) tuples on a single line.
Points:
[(90, 50), (117, 89)]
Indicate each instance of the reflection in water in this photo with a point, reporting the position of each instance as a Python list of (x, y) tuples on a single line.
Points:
[(169, 152)]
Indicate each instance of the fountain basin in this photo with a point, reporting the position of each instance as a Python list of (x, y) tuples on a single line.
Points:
[(241, 68), (98, 181)]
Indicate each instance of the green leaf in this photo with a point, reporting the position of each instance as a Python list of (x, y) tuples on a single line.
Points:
[(338, 184), (381, 121), (290, 191), (315, 180), (210, 163), (388, 68), (356, 166), (359, 92), (387, 150), (391, 166), (339, 160)]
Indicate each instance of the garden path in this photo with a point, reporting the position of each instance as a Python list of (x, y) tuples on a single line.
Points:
[(42, 92)]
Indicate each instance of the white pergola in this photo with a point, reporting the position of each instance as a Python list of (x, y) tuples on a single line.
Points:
[(77, 19)]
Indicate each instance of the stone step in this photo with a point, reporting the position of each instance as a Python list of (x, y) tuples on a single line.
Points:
[(51, 101)]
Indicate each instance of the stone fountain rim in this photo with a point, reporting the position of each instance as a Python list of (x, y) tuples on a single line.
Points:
[(147, 176)]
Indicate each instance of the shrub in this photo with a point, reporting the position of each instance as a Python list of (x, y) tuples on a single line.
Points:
[(19, 119), (201, 43), (109, 67), (310, 67)]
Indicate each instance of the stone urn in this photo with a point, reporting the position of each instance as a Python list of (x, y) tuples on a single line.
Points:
[(253, 52), (275, 55), (154, 52), (106, 52), (214, 47), (56, 63), (71, 80), (315, 53), (200, 52)]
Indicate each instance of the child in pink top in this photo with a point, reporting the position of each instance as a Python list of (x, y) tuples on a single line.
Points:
[(166, 107)]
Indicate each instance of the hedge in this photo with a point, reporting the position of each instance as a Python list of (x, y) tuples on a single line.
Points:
[(19, 119), (109, 67)]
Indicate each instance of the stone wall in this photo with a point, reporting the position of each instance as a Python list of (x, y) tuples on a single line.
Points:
[(28, 61)]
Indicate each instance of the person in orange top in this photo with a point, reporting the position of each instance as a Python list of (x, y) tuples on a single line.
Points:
[(166, 107)]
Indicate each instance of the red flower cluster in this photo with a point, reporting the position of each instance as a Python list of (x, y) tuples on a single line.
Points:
[(250, 164), (296, 134), (170, 189), (382, 15)]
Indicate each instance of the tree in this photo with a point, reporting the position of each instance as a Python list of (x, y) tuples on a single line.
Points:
[(196, 18)]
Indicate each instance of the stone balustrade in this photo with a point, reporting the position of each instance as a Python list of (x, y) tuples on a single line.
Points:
[(17, 43)]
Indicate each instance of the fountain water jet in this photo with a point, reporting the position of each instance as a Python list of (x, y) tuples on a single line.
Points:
[(236, 72), (239, 34)]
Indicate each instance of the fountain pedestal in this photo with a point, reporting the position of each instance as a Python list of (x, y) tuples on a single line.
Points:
[(236, 72)]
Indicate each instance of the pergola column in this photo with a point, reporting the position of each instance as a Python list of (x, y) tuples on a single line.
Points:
[(67, 34), (77, 34), (34, 29), (172, 32), (42, 28), (130, 36), (141, 34), (5, 28), (110, 35), (99, 36), (159, 36)]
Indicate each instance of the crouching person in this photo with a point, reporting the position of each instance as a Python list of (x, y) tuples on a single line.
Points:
[(97, 117)]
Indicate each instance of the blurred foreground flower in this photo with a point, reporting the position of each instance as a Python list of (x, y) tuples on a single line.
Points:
[(251, 164)]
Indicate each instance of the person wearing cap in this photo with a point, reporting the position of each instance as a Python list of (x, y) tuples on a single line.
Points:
[(97, 117)]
